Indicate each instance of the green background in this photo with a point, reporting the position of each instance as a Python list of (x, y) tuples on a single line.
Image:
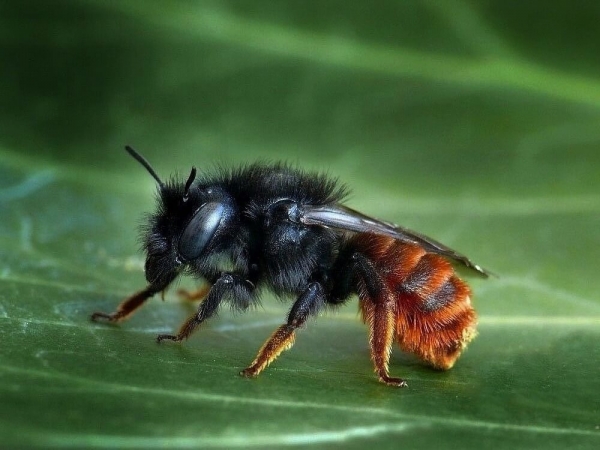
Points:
[(476, 122)]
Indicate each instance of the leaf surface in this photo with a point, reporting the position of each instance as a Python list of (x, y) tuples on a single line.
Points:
[(451, 118)]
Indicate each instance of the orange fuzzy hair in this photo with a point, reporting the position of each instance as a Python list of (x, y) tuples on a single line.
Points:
[(433, 315)]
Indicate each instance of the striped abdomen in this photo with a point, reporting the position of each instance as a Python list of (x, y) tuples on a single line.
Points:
[(434, 318)]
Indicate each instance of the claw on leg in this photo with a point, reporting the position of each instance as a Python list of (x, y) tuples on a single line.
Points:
[(168, 337), (184, 332), (112, 317), (391, 381)]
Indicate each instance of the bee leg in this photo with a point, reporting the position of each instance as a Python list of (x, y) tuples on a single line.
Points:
[(127, 306), (197, 294), (381, 318), (282, 339), (379, 312), (309, 303), (227, 283)]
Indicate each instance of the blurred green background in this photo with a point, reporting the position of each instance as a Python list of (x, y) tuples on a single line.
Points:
[(476, 122)]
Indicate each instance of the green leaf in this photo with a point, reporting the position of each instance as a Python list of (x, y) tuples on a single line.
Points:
[(473, 122)]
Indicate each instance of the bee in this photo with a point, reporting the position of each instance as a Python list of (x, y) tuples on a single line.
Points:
[(277, 227)]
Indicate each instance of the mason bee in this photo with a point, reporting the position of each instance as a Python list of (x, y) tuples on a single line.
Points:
[(274, 226)]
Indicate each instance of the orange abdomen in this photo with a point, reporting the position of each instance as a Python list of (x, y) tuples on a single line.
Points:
[(432, 306)]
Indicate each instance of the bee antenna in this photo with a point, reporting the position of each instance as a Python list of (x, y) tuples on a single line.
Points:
[(188, 183), (139, 158)]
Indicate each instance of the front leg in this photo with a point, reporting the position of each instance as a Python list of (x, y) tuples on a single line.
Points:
[(309, 303), (237, 289), (126, 307)]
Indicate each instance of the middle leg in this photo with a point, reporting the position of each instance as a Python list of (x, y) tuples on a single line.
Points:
[(309, 303)]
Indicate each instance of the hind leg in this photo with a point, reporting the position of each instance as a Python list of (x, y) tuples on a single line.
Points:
[(378, 309), (381, 319)]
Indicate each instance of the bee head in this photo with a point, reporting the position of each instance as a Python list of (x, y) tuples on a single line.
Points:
[(191, 221)]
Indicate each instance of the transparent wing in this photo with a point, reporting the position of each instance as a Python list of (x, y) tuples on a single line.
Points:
[(344, 218)]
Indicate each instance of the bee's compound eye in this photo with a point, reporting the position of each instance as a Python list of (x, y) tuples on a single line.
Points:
[(200, 230)]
